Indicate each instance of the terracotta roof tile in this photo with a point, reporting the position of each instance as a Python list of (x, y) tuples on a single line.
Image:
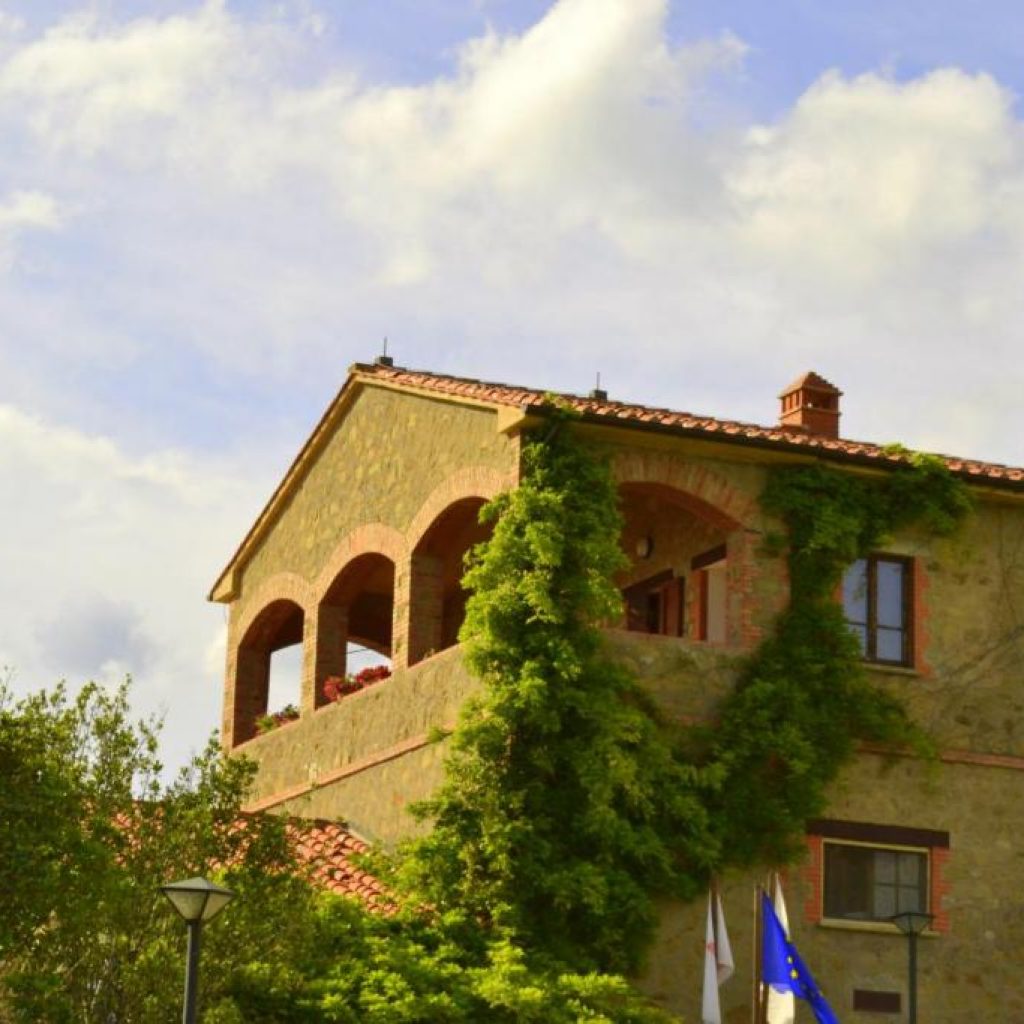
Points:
[(328, 850), (683, 422)]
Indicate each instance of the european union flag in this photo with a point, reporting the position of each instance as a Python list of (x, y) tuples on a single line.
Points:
[(782, 968)]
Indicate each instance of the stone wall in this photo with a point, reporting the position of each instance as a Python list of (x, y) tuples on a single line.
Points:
[(386, 457), (365, 758), (969, 973)]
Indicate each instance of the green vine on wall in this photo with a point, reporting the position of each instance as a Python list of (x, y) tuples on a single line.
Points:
[(569, 806), (804, 700)]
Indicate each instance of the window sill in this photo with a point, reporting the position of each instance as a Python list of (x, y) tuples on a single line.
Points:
[(872, 927), (892, 670)]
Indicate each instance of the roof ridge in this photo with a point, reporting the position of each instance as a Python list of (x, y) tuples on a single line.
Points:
[(712, 427)]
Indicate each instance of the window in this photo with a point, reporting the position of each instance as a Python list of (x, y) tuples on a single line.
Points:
[(877, 602), (655, 605), (871, 883), (866, 873)]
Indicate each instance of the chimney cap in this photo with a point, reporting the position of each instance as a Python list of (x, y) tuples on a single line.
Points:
[(811, 381), (811, 405)]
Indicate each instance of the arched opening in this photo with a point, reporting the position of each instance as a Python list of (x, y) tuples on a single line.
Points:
[(269, 672), (437, 601), (677, 583), (354, 634)]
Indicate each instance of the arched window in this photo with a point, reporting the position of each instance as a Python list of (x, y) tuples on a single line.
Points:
[(437, 602), (355, 623), (677, 583), (269, 671)]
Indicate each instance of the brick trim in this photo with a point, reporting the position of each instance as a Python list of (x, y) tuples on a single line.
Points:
[(471, 482), (700, 490), (883, 835), (814, 879), (287, 586), (344, 772), (245, 680), (939, 886), (368, 539)]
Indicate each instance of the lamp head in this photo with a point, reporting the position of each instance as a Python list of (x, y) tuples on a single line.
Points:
[(196, 899), (912, 922)]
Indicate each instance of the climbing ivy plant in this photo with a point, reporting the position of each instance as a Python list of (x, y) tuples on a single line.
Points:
[(569, 806), (804, 700)]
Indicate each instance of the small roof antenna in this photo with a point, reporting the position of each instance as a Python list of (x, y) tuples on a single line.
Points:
[(598, 393), (384, 359)]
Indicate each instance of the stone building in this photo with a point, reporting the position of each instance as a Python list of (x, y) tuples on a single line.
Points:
[(360, 549)]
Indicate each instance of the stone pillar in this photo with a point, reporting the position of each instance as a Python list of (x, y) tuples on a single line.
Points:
[(426, 607), (324, 652), (251, 685)]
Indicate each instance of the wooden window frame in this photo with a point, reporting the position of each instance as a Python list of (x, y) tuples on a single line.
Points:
[(657, 588), (871, 609), (699, 568), (924, 852)]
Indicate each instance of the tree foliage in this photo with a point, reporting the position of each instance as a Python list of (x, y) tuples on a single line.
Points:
[(91, 832)]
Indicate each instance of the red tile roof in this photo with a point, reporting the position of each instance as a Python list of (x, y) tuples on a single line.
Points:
[(674, 421), (329, 851)]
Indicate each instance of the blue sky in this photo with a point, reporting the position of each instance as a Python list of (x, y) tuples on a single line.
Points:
[(209, 210)]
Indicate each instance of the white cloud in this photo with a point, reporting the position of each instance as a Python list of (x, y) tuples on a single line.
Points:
[(86, 81), (29, 209), (867, 173), (107, 558), (21, 211)]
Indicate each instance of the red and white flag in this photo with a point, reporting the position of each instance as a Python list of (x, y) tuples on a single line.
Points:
[(718, 963)]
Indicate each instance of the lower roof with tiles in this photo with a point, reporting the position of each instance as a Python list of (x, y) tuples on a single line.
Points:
[(330, 853)]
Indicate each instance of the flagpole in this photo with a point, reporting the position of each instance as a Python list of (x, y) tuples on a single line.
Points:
[(757, 1004), (767, 888)]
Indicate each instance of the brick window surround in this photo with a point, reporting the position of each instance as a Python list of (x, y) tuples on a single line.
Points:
[(934, 843)]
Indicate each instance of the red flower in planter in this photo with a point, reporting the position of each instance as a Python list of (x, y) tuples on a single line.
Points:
[(336, 687)]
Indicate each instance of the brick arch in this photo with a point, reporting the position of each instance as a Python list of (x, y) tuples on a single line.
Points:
[(694, 487), (248, 668), (368, 539), (330, 622), (286, 586), (441, 532), (473, 482)]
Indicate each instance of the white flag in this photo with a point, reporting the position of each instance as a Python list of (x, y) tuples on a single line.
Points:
[(781, 1005), (718, 965)]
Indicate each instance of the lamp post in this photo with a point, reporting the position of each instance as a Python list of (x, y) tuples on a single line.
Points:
[(196, 900), (912, 923)]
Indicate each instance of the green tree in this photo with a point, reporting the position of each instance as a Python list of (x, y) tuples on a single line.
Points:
[(90, 832)]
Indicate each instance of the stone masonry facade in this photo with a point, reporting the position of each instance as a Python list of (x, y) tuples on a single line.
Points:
[(362, 547)]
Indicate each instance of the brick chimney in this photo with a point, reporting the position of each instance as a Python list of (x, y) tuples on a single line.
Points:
[(811, 404)]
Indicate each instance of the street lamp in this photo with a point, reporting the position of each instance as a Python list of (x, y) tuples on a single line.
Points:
[(912, 923), (196, 900)]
